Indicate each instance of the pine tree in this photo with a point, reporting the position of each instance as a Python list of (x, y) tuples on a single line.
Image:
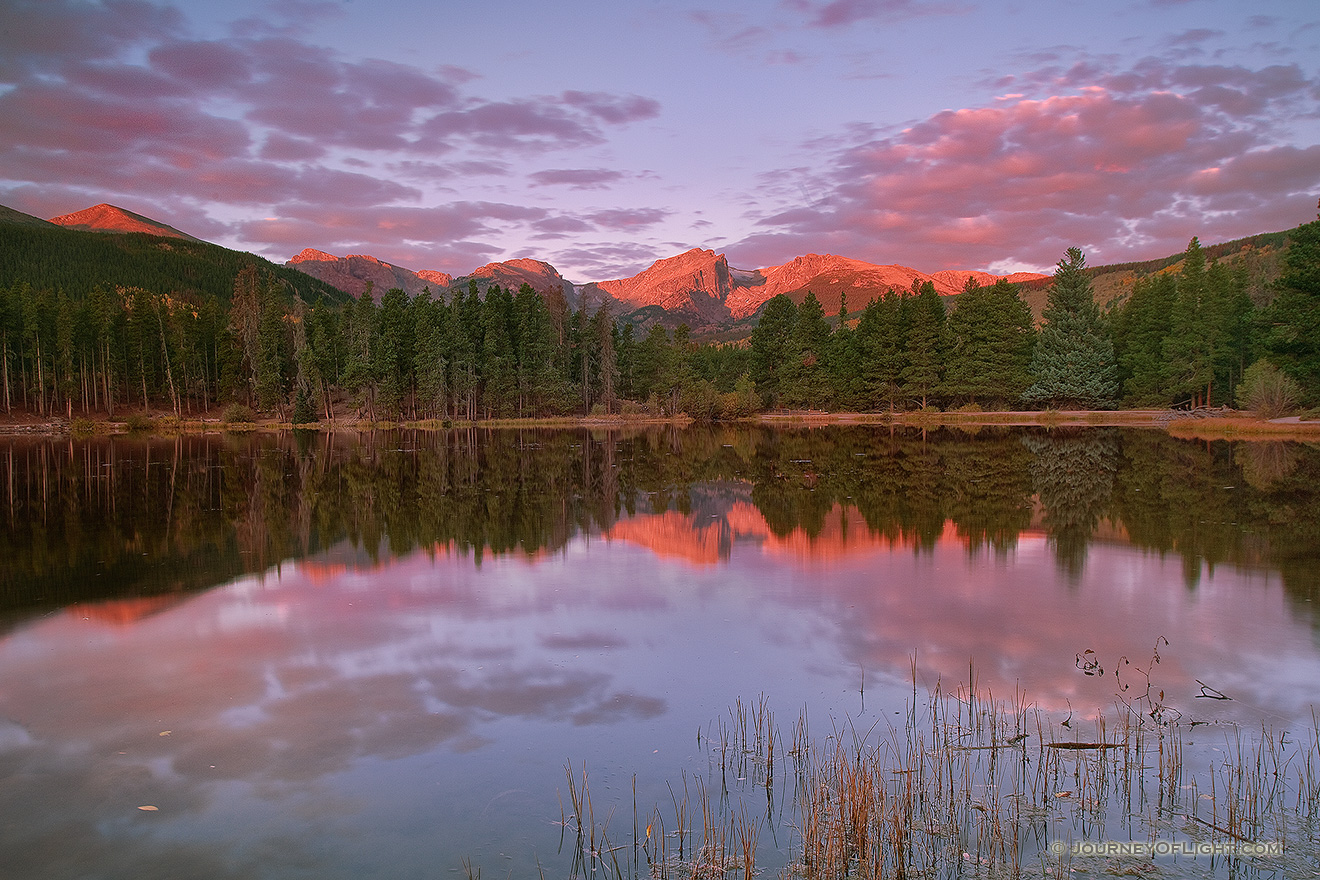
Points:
[(1073, 363), (652, 362), (359, 333), (393, 351), (273, 352), (498, 370), (1141, 326), (881, 349), (1189, 349), (432, 353), (990, 343), (807, 381), (606, 358), (1291, 322), (770, 346), (843, 363), (926, 344), (244, 319)]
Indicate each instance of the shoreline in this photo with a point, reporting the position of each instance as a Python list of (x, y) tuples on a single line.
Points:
[(1190, 424)]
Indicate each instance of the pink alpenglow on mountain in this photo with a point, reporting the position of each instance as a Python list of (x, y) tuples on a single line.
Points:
[(109, 218), (694, 284), (513, 274), (701, 286), (352, 273)]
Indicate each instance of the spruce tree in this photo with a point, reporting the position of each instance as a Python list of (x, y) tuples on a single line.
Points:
[(1291, 322), (1189, 349), (1141, 326), (1073, 363), (990, 342), (927, 344), (880, 346), (844, 362), (770, 342), (807, 380)]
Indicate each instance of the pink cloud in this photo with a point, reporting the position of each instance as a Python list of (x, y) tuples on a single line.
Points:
[(391, 232), (1028, 178), (64, 119), (206, 64), (609, 260), (520, 124)]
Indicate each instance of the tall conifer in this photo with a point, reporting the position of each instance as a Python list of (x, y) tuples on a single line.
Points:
[(1073, 363)]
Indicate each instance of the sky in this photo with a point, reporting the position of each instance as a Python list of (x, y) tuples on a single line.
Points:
[(601, 136)]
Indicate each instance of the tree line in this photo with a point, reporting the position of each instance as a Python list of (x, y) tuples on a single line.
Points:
[(1190, 336)]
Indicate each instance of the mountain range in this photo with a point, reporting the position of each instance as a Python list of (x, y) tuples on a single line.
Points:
[(697, 287)]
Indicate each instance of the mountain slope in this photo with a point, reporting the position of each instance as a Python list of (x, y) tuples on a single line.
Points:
[(18, 218), (109, 218), (354, 272), (48, 256)]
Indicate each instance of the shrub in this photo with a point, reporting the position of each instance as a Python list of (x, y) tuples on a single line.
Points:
[(237, 413), (139, 422), (1267, 391), (82, 427), (700, 400)]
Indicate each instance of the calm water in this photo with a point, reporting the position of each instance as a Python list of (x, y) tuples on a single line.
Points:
[(375, 656)]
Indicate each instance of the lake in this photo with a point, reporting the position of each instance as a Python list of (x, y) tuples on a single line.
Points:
[(396, 654)]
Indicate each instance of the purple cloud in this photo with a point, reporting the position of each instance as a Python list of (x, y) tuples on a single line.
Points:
[(44, 35), (614, 109), (841, 13), (628, 218), (610, 260), (576, 178), (282, 148), (111, 98)]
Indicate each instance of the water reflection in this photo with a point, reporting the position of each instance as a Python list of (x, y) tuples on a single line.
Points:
[(414, 632), (125, 516)]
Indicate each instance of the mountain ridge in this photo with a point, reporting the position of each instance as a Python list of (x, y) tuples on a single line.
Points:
[(112, 218), (698, 287), (353, 273)]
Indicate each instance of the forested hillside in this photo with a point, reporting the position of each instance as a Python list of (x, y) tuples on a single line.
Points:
[(50, 257)]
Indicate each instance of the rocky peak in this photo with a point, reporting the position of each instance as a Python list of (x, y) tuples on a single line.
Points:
[(695, 284), (513, 274)]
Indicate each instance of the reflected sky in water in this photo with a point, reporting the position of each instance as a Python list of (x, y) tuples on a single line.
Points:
[(355, 712)]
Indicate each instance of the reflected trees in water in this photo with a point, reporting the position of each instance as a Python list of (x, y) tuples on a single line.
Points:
[(138, 516)]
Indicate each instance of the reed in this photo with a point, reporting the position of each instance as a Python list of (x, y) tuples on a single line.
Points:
[(968, 785)]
